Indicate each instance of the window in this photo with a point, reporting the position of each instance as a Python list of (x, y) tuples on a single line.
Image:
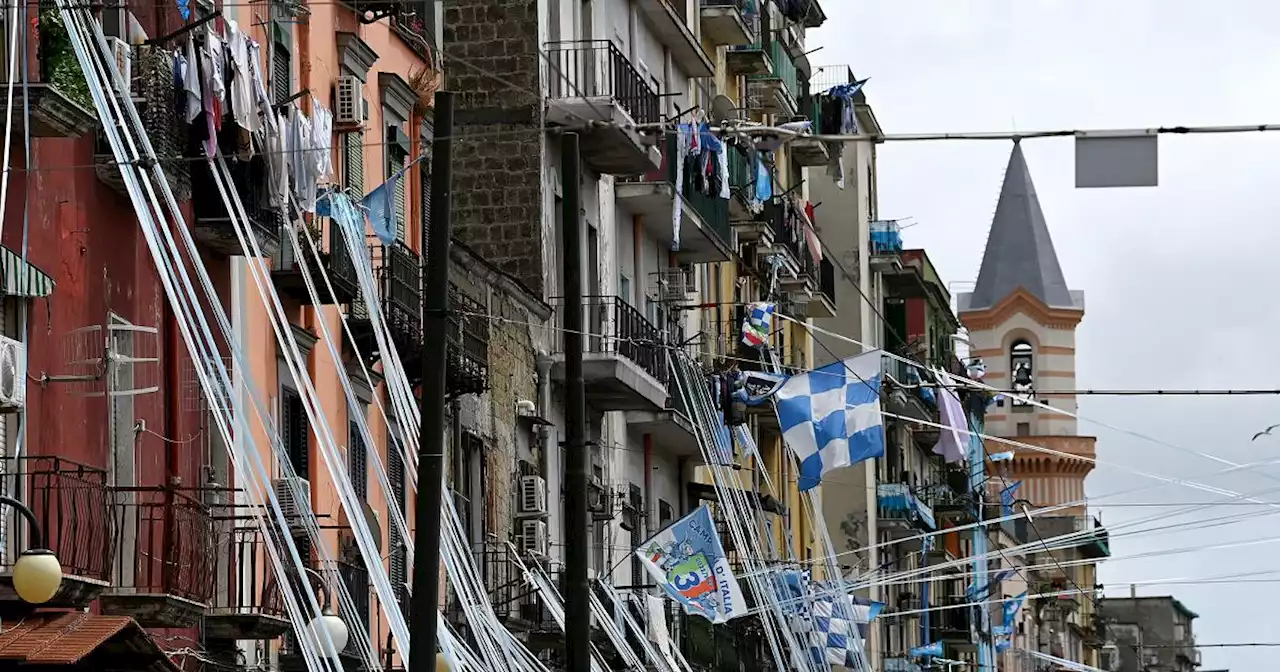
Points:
[(424, 211), (1024, 429), (281, 67), (294, 431), (1022, 374), (398, 570), (665, 514), (468, 485), (397, 148), (353, 162), (358, 462)]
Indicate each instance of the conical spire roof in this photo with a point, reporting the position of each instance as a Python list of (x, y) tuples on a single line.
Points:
[(1019, 250)]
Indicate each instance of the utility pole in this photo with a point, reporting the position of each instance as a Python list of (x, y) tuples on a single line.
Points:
[(425, 603), (577, 595)]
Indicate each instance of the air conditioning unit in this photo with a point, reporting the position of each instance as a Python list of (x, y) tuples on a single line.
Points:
[(295, 499), (348, 107), (673, 286), (533, 496), (13, 375), (629, 517), (123, 55), (533, 538)]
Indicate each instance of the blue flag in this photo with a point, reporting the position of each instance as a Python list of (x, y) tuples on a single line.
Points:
[(1007, 498), (830, 417), (688, 562)]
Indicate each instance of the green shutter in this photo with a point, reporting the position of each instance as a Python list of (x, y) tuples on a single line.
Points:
[(281, 87), (353, 167), (424, 214), (395, 162)]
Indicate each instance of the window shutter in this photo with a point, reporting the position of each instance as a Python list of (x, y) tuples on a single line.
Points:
[(280, 84), (398, 571), (294, 430), (353, 167), (395, 162), (358, 463)]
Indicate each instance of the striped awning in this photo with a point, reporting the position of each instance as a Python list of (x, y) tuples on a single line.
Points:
[(21, 278)]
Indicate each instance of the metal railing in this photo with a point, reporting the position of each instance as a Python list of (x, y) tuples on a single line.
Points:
[(468, 335), (72, 502), (335, 258), (713, 210), (166, 544), (398, 273), (249, 180), (355, 577), (244, 581), (598, 69), (613, 326), (784, 68)]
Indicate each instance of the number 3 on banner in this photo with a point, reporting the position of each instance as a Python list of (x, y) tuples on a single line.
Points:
[(684, 582)]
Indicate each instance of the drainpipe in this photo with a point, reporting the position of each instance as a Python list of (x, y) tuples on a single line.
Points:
[(543, 364), (648, 483)]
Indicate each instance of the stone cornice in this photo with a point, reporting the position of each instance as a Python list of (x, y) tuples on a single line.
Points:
[(397, 95), (356, 54), (1021, 301)]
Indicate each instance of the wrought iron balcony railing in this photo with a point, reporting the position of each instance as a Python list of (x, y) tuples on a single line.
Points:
[(246, 602), (72, 503), (335, 260), (615, 327), (166, 544), (397, 273), (598, 69), (468, 363), (212, 219)]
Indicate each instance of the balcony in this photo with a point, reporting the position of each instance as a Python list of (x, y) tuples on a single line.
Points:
[(397, 272), (725, 22), (944, 560), (951, 625), (808, 151), (468, 354), (246, 602), (705, 234), (212, 225), (59, 102), (775, 92), (152, 87), (886, 247), (624, 360), (751, 59), (672, 29), (592, 81), (953, 501), (72, 503), (900, 507), (901, 665), (335, 260), (1094, 545), (671, 429), (164, 568)]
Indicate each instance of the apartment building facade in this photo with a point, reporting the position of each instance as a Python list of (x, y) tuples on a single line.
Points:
[(1150, 634)]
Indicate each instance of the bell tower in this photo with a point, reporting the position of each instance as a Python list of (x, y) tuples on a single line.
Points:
[(1022, 318)]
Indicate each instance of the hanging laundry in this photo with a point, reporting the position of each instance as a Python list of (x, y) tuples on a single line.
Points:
[(322, 141), (764, 182), (686, 142), (191, 83), (240, 85)]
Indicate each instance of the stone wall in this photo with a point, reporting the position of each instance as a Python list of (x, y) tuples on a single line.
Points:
[(491, 51)]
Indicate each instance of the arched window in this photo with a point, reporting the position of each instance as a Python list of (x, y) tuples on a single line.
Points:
[(1022, 369)]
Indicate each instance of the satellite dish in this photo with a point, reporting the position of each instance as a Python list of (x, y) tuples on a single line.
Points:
[(722, 108), (371, 519), (802, 64)]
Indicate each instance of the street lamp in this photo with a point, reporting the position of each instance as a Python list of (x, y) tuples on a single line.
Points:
[(37, 574), (328, 622)]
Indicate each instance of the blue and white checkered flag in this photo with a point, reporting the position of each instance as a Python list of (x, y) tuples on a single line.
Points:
[(830, 416)]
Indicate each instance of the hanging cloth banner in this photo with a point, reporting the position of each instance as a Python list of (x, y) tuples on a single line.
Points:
[(688, 562)]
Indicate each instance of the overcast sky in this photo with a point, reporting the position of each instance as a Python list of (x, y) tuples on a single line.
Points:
[(1179, 280)]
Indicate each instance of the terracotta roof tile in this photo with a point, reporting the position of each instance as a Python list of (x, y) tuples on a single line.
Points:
[(60, 639)]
